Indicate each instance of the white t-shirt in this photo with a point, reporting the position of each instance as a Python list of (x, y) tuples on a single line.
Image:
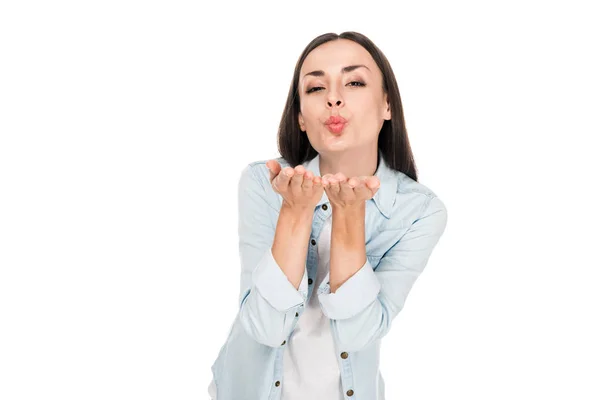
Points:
[(310, 366)]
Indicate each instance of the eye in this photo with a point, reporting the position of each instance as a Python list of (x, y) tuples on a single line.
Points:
[(358, 83), (353, 83)]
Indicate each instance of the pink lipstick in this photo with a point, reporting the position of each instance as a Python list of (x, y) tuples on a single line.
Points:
[(335, 124)]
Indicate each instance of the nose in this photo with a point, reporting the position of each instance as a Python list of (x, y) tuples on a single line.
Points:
[(334, 97)]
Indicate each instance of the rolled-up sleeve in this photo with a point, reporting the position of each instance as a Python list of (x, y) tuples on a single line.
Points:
[(363, 307), (356, 294), (274, 286), (268, 301)]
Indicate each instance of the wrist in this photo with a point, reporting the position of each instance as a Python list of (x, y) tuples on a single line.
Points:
[(296, 213), (349, 212)]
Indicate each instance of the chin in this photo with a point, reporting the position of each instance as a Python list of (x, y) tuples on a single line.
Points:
[(335, 147)]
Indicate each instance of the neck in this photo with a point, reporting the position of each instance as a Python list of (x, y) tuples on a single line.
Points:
[(358, 162)]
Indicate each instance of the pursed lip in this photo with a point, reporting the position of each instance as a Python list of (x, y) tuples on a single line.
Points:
[(335, 119)]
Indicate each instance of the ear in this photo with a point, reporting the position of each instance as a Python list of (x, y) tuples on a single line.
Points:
[(301, 122), (387, 114)]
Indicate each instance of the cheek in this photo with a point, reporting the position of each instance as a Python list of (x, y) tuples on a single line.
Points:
[(309, 112), (366, 109), (374, 106), (361, 101), (367, 114)]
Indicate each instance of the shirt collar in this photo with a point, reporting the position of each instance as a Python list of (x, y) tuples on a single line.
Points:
[(386, 195)]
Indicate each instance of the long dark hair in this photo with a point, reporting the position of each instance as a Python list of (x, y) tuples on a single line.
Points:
[(293, 144)]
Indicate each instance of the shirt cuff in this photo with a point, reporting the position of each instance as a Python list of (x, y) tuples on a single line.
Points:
[(353, 296), (274, 286)]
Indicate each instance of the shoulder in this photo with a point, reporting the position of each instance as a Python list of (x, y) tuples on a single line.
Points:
[(406, 185), (261, 164), (414, 200), (257, 170), (254, 178)]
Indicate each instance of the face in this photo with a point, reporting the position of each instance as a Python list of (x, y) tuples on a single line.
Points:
[(340, 78)]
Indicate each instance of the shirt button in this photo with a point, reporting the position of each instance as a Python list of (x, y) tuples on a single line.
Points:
[(350, 392), (313, 242), (324, 206), (277, 383), (296, 314), (310, 281), (344, 355)]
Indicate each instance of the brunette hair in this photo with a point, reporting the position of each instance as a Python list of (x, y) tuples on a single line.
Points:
[(293, 144)]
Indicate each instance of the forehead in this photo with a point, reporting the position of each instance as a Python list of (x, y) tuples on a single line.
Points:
[(332, 56)]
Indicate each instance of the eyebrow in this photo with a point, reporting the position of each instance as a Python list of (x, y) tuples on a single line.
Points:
[(344, 70)]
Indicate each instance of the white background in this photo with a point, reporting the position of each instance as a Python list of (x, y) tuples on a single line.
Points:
[(124, 129)]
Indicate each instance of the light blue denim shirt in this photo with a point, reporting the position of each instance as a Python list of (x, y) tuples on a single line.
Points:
[(403, 223)]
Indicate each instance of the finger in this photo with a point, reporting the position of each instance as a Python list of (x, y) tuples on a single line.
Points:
[(340, 177), (297, 179), (307, 183), (283, 179), (362, 191), (274, 169), (334, 185), (353, 182), (364, 179), (317, 180), (326, 179), (372, 184), (346, 190)]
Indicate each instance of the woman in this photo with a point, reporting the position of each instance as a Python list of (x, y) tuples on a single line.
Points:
[(332, 235)]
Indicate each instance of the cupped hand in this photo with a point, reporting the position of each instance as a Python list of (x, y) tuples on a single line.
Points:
[(299, 188), (344, 192)]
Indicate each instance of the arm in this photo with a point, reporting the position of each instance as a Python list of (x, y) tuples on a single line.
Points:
[(364, 306), (270, 295), (348, 253)]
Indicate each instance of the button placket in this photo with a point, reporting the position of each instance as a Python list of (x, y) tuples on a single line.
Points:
[(314, 243), (344, 355)]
